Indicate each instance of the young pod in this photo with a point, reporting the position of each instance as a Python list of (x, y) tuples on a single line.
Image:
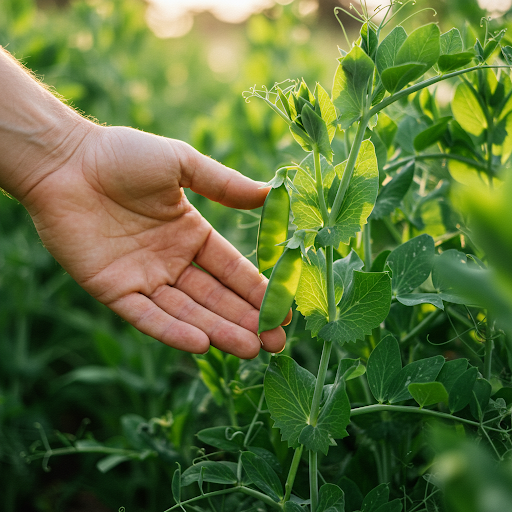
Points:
[(273, 227), (281, 290)]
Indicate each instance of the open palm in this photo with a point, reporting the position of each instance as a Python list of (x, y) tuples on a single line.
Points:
[(116, 218)]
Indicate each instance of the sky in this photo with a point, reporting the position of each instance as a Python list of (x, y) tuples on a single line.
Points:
[(174, 18)]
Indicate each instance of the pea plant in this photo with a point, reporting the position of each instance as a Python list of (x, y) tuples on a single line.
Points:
[(363, 266)]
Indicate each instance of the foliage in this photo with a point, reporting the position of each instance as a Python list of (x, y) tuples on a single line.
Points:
[(397, 209)]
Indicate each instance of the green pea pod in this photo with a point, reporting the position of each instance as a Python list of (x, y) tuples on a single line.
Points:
[(281, 290), (273, 227)]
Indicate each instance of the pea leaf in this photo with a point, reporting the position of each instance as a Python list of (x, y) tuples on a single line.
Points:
[(451, 371), (507, 54), (311, 296), (343, 270), (393, 506), (351, 83), (391, 194), (332, 421), (480, 399), (262, 475), (214, 472), (416, 55), (289, 392), (444, 289), (448, 63), (383, 365), (359, 198), (467, 110), (369, 41), (305, 205), (428, 393), (317, 129), (388, 49), (451, 42), (229, 439), (424, 370), (377, 497), (362, 308), (432, 134), (327, 110), (291, 506), (411, 264), (414, 299), (176, 484), (330, 499), (462, 390)]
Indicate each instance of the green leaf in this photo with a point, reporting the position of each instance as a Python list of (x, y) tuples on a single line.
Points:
[(332, 421), (396, 78), (111, 461), (359, 198), (444, 289), (423, 370), (391, 194), (349, 369), (317, 129), (416, 55), (414, 299), (229, 439), (379, 263), (393, 506), (431, 135), (451, 42), (291, 506), (384, 364), (467, 110), (411, 263), (428, 393), (305, 204), (331, 499), (422, 46), (262, 475), (311, 296), (351, 84), (375, 498), (289, 392), (507, 54), (362, 308), (212, 380), (209, 471), (448, 63), (176, 484), (480, 400), (343, 270), (388, 49), (131, 428), (451, 371), (462, 390), (327, 110), (369, 41)]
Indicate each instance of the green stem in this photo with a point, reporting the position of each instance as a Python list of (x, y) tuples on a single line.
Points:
[(349, 169), (245, 490), (85, 449), (320, 186), (331, 298), (367, 409), (367, 246), (435, 156), (313, 480), (320, 380), (421, 326), (254, 419), (421, 85), (293, 471)]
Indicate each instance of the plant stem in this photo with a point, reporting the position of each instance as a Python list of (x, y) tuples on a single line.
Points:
[(331, 298), (245, 490), (313, 480), (435, 156), (415, 410), (319, 186), (421, 326), (320, 380), (349, 169), (489, 346), (367, 246), (293, 471)]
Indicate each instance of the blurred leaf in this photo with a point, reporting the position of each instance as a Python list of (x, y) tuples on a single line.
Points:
[(468, 111), (230, 439), (431, 135), (480, 400), (462, 390), (210, 471)]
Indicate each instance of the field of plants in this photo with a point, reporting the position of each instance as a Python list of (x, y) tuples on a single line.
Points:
[(387, 141)]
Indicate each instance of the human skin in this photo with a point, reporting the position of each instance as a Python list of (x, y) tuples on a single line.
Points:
[(108, 204)]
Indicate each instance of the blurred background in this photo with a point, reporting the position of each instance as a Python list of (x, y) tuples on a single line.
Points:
[(68, 367)]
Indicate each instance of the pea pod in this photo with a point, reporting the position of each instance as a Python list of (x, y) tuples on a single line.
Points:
[(281, 290), (273, 227)]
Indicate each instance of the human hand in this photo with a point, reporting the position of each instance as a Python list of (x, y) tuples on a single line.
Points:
[(115, 217)]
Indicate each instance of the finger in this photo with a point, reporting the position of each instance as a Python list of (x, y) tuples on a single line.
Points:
[(223, 334), (214, 296), (147, 317), (218, 182)]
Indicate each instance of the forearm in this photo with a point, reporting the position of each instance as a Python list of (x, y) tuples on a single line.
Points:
[(38, 133)]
